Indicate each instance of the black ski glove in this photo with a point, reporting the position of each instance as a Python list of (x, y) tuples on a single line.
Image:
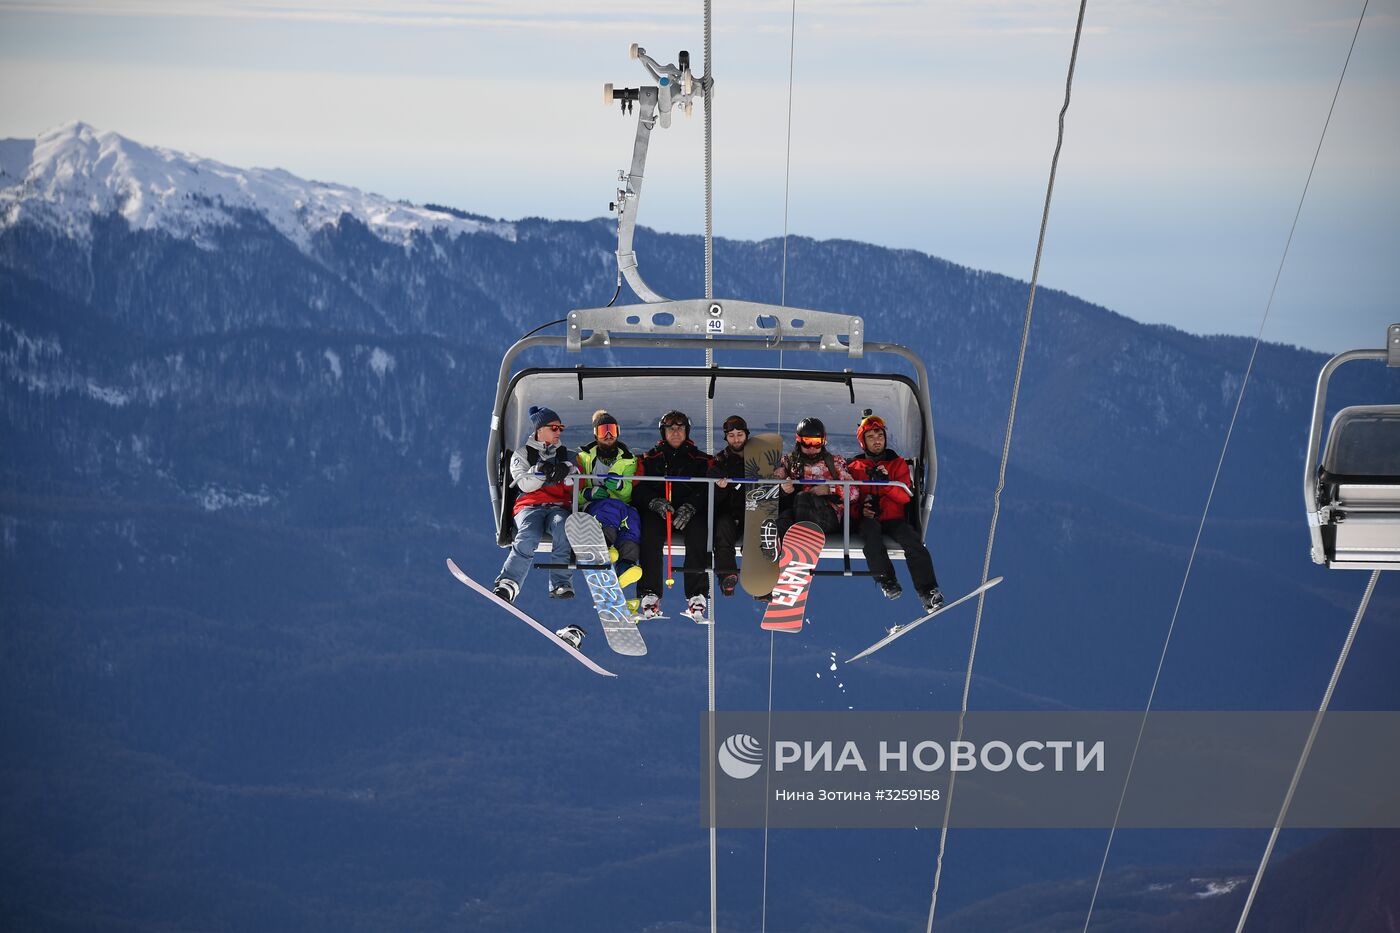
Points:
[(683, 516), (660, 506), (555, 471)]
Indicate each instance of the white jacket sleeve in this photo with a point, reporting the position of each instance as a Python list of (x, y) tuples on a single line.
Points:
[(525, 477)]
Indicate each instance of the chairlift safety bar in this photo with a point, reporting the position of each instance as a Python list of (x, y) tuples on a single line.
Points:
[(711, 483)]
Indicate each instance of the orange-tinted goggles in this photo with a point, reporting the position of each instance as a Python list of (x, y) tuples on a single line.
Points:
[(605, 431), (810, 441)]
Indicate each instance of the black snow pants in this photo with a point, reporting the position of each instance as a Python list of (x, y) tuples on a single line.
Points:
[(872, 532), (654, 555)]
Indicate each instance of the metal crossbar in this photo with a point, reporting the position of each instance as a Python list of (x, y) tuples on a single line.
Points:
[(845, 552)]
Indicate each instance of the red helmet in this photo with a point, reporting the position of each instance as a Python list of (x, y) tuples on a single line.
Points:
[(871, 422)]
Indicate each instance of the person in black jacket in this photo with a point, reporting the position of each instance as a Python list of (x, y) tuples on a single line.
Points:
[(729, 501), (674, 455)]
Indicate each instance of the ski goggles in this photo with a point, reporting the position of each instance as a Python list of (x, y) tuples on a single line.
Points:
[(553, 427), (807, 441), (673, 426), (605, 431)]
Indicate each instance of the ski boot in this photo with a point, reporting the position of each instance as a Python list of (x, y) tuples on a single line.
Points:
[(571, 635), (932, 599), (695, 609), (889, 586), (507, 590), (562, 591)]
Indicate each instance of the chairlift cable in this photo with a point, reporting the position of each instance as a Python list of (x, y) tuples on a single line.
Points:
[(787, 195), (1006, 450), (707, 86), (1210, 496), (1307, 748), (782, 300)]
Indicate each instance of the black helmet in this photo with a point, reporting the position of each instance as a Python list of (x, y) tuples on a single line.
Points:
[(672, 417), (811, 427), (735, 423)]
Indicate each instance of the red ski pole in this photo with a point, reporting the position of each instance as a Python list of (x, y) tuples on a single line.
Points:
[(670, 580)]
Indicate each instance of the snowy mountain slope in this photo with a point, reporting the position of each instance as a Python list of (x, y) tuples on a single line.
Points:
[(73, 172)]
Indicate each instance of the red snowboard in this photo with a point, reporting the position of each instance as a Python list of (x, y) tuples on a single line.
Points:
[(801, 548)]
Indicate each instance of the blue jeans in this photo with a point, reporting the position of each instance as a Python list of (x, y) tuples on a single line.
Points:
[(530, 526)]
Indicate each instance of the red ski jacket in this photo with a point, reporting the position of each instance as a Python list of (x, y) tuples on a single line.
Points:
[(890, 500)]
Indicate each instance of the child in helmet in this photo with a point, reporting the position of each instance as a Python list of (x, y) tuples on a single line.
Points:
[(819, 503), (882, 513)]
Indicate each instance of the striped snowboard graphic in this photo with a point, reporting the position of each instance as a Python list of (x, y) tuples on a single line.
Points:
[(801, 548)]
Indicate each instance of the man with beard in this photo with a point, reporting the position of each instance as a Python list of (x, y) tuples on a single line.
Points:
[(605, 460), (882, 512), (729, 502)]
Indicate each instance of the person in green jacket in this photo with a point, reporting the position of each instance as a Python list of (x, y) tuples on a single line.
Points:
[(607, 456), (607, 497)]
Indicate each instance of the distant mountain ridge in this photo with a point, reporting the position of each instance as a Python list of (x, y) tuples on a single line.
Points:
[(73, 173)]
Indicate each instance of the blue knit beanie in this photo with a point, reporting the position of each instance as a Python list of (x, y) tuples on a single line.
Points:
[(541, 416)]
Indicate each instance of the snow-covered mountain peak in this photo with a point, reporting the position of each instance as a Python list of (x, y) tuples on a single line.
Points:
[(73, 172)]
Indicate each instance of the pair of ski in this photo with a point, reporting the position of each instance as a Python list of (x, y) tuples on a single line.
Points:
[(590, 547), (801, 548)]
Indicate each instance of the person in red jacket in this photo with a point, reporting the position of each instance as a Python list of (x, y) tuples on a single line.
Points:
[(881, 509)]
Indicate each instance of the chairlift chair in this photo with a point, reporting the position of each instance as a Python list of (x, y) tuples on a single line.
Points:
[(637, 395), (1352, 484)]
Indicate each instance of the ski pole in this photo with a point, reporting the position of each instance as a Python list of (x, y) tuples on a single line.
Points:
[(670, 580)]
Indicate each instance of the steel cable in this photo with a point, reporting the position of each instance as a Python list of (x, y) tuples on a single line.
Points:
[(1307, 748), (709, 427), (1006, 452), (782, 300), (1210, 496)]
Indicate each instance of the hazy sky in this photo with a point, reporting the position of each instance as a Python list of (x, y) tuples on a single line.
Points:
[(922, 125)]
